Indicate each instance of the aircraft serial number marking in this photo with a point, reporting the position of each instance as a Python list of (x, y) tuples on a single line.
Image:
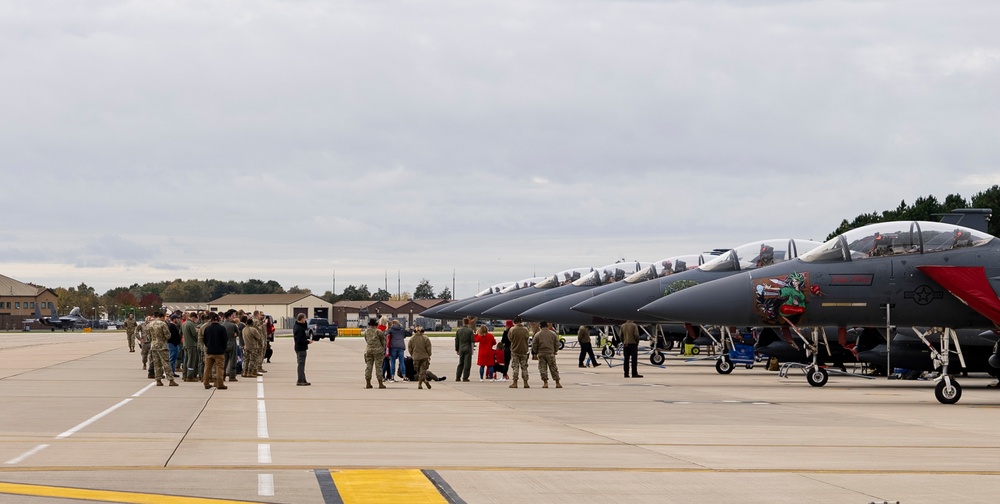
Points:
[(845, 305), (859, 279)]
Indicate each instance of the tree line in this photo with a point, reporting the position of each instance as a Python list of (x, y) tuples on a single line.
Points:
[(925, 208), (146, 298)]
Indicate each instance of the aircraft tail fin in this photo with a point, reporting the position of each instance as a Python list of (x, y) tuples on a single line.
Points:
[(52, 306), (972, 218)]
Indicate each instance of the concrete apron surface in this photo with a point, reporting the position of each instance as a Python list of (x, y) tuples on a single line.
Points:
[(80, 422)]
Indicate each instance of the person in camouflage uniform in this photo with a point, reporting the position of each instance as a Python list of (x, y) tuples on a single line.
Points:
[(130, 326), (260, 323), (374, 352), (194, 358), (157, 333), (545, 344), (420, 350), (252, 343), (143, 337), (518, 351)]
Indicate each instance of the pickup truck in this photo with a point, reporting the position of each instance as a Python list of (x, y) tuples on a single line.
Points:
[(318, 328)]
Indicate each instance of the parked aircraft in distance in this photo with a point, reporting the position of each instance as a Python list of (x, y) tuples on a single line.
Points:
[(445, 311), (558, 310), (597, 277), (908, 273), (65, 322), (624, 303), (523, 288)]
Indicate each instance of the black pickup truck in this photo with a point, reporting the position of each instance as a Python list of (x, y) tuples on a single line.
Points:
[(318, 328)]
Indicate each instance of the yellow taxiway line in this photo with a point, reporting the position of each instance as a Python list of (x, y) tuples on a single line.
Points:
[(105, 495)]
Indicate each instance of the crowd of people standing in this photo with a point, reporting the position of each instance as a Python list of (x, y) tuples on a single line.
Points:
[(207, 347), (210, 347)]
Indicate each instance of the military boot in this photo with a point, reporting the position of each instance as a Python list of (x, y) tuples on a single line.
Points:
[(368, 383), (558, 385), (173, 383), (381, 384), (428, 384), (513, 384), (526, 383), (420, 385), (545, 384), (159, 383)]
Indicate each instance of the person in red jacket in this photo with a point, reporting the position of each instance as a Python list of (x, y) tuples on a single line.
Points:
[(485, 357)]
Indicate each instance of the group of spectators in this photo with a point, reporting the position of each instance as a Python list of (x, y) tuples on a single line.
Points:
[(211, 346), (204, 345)]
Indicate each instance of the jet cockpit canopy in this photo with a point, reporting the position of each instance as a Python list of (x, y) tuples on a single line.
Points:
[(759, 254), (668, 266), (522, 284), (615, 272), (896, 238)]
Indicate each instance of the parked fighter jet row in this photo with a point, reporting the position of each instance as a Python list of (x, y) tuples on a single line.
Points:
[(908, 294)]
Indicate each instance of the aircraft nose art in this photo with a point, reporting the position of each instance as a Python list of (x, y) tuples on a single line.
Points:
[(727, 301)]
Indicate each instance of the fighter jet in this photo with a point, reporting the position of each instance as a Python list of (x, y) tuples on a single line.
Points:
[(65, 322), (605, 275), (446, 311), (624, 303), (523, 288), (910, 273), (558, 310)]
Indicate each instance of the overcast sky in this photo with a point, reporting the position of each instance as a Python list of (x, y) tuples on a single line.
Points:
[(145, 141)]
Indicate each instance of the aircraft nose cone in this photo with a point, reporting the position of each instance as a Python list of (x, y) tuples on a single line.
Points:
[(624, 303), (510, 309), (994, 361), (727, 301), (874, 354)]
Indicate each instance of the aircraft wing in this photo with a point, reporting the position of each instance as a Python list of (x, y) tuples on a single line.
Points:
[(970, 285)]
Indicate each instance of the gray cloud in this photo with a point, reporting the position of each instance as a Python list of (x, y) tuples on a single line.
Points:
[(287, 139)]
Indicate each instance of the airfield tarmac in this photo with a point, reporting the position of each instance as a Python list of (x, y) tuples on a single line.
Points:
[(81, 423)]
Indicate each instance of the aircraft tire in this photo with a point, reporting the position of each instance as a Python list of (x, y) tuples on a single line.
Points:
[(948, 394), (607, 351), (656, 358), (724, 365), (669, 345), (562, 343), (817, 377)]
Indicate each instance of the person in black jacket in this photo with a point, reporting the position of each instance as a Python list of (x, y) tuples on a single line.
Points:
[(302, 342), (216, 339)]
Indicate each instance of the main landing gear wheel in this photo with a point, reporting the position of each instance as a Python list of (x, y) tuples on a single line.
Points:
[(562, 344), (724, 365), (817, 377), (656, 358), (608, 352), (948, 391), (669, 345)]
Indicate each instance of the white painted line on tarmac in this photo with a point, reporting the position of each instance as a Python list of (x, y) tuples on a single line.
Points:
[(143, 391), (93, 419), (263, 454), (260, 390), (261, 420), (265, 485), (20, 458)]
